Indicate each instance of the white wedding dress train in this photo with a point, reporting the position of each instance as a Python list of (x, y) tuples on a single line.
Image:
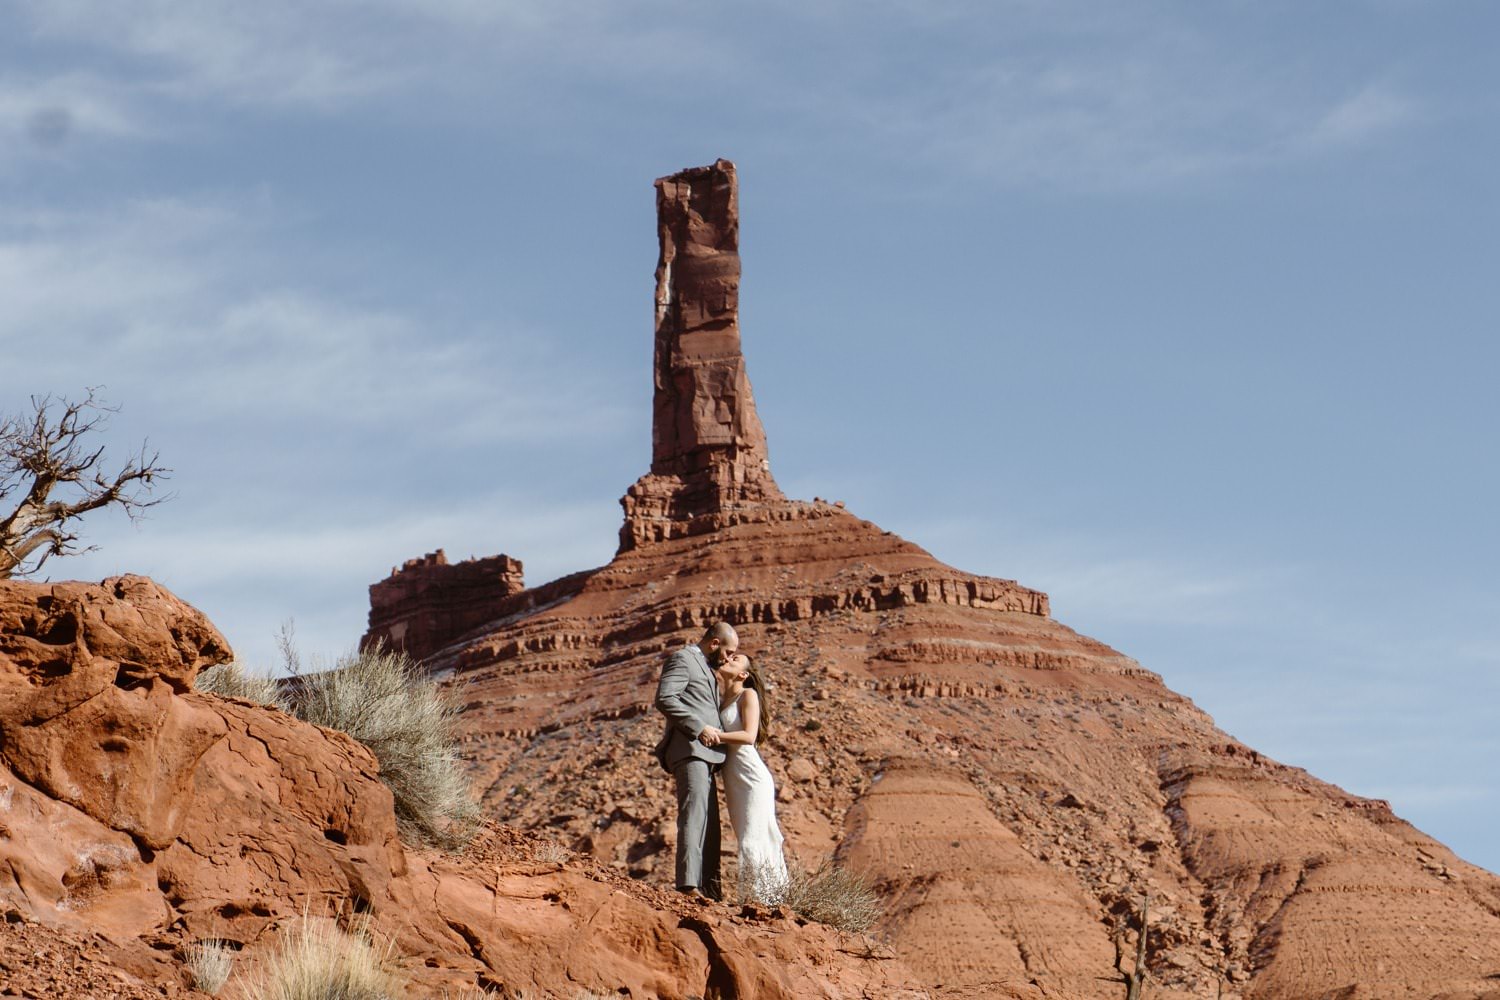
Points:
[(750, 794)]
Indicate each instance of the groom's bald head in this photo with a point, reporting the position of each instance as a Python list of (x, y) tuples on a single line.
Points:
[(719, 642), (722, 631)]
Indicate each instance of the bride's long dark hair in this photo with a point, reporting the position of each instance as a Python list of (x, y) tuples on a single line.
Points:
[(753, 680)]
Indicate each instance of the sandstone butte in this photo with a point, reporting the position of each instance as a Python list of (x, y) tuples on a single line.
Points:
[(1013, 788)]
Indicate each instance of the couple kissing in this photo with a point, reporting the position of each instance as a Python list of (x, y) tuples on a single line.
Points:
[(715, 705)]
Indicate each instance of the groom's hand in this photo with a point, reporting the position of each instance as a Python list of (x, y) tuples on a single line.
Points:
[(710, 737)]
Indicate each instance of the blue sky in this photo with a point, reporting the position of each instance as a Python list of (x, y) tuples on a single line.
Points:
[(1182, 312)]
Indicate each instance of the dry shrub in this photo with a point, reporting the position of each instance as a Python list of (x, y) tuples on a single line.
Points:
[(553, 853), (832, 895), (318, 961), (387, 702), (210, 962), (763, 884), (230, 680)]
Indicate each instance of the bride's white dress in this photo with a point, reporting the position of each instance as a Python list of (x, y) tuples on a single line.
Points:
[(750, 794)]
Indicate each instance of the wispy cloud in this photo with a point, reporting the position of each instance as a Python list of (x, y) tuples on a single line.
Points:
[(285, 56), (268, 54), (89, 271), (1115, 581), (1123, 108), (184, 292), (1373, 111), (317, 440), (1066, 95)]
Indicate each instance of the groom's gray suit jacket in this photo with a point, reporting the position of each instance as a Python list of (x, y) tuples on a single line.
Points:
[(688, 695)]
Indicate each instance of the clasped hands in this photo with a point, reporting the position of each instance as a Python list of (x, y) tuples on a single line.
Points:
[(711, 737)]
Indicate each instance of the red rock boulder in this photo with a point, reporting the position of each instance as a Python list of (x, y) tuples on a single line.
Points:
[(89, 713)]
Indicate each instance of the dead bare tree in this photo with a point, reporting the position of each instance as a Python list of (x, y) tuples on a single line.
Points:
[(1134, 979), (50, 469)]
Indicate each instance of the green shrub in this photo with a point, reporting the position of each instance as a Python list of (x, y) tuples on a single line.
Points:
[(230, 680), (388, 702)]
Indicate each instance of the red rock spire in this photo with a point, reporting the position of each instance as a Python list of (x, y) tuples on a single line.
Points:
[(708, 449)]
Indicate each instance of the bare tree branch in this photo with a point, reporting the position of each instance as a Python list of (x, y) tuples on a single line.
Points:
[(49, 460), (1134, 978)]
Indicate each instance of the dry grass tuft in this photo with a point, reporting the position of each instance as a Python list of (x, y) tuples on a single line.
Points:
[(230, 680), (318, 961), (832, 895), (387, 702), (210, 962), (553, 853)]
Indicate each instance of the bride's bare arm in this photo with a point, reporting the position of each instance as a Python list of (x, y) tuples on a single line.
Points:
[(749, 720)]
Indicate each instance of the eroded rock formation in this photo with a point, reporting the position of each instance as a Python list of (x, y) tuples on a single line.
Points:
[(89, 713), (426, 603), (708, 450), (138, 816), (1014, 787)]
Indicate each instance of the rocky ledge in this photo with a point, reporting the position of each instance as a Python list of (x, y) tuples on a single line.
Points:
[(138, 816)]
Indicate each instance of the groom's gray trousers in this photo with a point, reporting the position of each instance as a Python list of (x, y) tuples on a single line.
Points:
[(697, 826)]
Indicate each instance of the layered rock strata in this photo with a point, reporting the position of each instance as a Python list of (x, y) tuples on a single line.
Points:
[(138, 817), (426, 603), (708, 450), (1014, 788)]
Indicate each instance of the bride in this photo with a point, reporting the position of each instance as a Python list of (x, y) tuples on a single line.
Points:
[(749, 790)]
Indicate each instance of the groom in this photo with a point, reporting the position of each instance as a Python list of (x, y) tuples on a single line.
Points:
[(688, 695)]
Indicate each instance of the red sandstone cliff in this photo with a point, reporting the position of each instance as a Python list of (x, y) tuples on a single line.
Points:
[(1014, 787), (138, 816)]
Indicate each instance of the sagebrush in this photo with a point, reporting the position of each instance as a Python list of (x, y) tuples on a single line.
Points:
[(764, 884), (386, 701), (230, 680), (832, 895)]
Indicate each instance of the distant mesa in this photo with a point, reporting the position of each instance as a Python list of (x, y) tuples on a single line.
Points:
[(426, 602)]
